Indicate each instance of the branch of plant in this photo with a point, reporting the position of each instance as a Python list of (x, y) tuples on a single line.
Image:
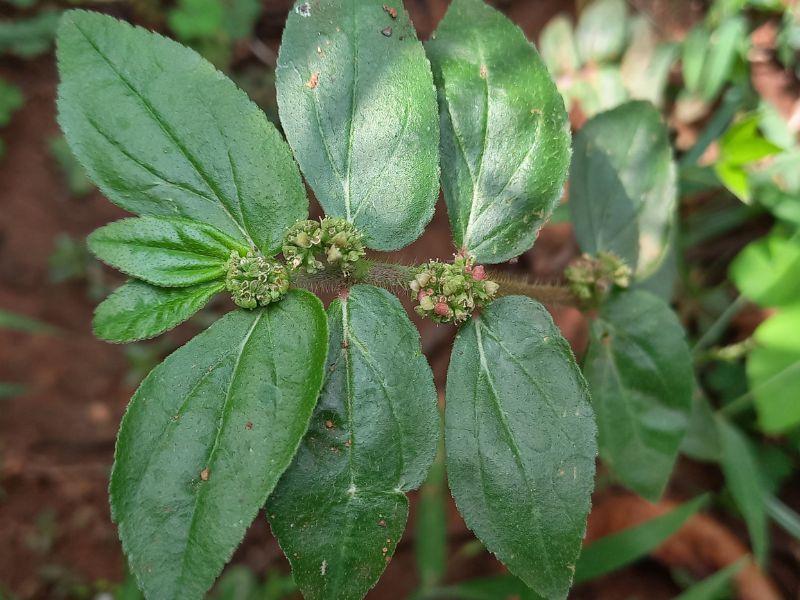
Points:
[(395, 277)]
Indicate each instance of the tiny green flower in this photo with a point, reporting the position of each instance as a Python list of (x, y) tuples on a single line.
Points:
[(450, 292), (342, 243), (337, 241), (255, 280), (591, 278), (301, 245)]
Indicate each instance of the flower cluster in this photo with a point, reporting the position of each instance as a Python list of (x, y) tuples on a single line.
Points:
[(332, 238), (450, 292), (254, 280), (591, 278)]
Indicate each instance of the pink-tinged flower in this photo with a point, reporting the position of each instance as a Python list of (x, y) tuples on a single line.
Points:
[(441, 309), (423, 294), (479, 273)]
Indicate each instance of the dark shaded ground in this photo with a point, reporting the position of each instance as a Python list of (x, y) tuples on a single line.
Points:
[(57, 441)]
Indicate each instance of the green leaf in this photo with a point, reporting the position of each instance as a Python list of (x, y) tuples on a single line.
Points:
[(742, 145), (639, 371), (724, 45), (623, 186), (647, 63), (163, 133), (773, 370), (341, 507), (10, 390), (11, 100), (598, 90), (196, 19), (138, 310), (505, 133), (711, 587), (602, 31), (629, 545), (238, 582), (206, 437), (16, 322), (76, 178), (430, 543), (168, 252), (701, 441), (775, 185), (240, 17), (483, 588), (356, 99), (774, 126), (693, 57), (128, 589), (29, 37), (743, 477), (557, 46), (520, 441), (768, 270), (784, 516)]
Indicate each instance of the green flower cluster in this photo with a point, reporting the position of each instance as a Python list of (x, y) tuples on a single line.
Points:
[(333, 238), (450, 292), (255, 280), (591, 278)]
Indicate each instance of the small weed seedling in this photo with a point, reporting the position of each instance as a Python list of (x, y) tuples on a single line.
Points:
[(328, 418)]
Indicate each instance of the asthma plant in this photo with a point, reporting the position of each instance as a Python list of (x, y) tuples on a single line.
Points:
[(328, 418)]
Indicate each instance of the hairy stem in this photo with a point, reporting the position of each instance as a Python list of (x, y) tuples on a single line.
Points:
[(396, 277)]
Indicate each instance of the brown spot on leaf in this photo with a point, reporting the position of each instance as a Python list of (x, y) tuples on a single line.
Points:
[(484, 72), (382, 523), (387, 31), (391, 10), (348, 443), (313, 80), (329, 424), (204, 474), (248, 425)]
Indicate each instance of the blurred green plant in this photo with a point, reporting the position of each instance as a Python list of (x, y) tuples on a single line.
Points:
[(11, 100), (28, 37), (11, 321), (609, 57), (212, 27), (71, 260), (75, 177), (237, 583)]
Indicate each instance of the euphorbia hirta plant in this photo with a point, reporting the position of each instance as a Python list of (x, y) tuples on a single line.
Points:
[(327, 418)]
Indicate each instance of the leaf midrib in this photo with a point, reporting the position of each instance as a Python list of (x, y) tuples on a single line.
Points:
[(168, 131), (223, 419), (347, 182), (539, 539)]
